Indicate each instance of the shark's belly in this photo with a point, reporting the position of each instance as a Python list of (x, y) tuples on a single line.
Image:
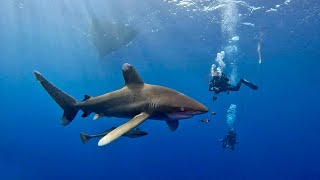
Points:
[(158, 116), (121, 112)]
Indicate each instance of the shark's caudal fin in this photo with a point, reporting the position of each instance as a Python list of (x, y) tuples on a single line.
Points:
[(65, 101), (85, 137)]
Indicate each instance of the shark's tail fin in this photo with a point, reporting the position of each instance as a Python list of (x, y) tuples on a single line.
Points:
[(85, 137), (65, 101)]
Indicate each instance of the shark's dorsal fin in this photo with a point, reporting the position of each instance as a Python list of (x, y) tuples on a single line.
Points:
[(131, 76)]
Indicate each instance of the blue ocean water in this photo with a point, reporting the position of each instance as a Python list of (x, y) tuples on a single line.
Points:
[(177, 44)]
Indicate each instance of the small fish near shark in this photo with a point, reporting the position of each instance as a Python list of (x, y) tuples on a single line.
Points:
[(134, 133), (135, 100)]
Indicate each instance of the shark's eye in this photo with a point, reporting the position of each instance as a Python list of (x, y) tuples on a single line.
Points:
[(182, 109)]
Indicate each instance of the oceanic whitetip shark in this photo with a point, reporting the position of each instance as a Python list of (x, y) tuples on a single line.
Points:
[(136, 100)]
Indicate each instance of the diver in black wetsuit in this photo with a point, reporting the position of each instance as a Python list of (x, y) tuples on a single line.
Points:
[(220, 83), (229, 140)]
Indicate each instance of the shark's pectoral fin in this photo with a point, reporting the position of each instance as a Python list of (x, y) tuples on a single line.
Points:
[(173, 124), (119, 131), (131, 76)]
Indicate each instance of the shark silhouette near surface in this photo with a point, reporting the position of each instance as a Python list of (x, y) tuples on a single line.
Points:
[(109, 37), (136, 100)]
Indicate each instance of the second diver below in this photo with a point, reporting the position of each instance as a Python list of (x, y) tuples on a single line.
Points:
[(229, 140), (220, 83)]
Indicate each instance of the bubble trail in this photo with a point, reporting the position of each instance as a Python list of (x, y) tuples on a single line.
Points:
[(231, 115), (259, 52)]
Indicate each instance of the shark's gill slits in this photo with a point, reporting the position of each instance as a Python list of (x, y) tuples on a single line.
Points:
[(153, 105)]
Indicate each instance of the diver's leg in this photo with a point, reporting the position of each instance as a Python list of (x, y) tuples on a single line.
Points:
[(236, 87), (249, 84)]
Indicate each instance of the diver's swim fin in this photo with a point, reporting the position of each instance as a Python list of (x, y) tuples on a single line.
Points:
[(249, 84)]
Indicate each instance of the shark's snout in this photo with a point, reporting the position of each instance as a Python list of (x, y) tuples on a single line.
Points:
[(199, 108), (187, 112), (197, 112), (203, 109)]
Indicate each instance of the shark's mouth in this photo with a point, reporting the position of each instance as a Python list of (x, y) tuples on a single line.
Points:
[(180, 115), (184, 114)]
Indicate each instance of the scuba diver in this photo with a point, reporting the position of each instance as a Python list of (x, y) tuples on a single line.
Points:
[(229, 140), (220, 83)]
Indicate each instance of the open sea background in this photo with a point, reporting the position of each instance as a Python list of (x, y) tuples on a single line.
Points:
[(278, 125)]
